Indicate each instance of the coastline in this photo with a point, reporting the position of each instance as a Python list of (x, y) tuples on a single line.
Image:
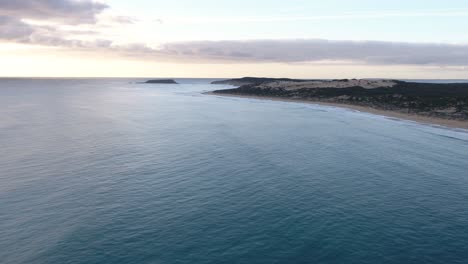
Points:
[(393, 114)]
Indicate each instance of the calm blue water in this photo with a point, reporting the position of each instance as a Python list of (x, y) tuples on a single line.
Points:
[(109, 171)]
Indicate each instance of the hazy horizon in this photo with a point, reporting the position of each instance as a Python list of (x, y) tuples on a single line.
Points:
[(206, 78)]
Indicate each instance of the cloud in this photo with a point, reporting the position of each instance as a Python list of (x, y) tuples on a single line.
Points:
[(65, 11), (310, 50), (53, 41), (14, 29), (40, 22), (124, 19), (317, 51), (158, 21), (68, 32)]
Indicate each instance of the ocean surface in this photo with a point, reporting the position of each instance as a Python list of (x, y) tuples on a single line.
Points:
[(112, 171)]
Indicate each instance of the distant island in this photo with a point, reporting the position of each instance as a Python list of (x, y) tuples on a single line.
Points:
[(162, 81), (411, 100)]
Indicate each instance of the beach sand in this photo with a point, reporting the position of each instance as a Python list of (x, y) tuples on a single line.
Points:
[(413, 117)]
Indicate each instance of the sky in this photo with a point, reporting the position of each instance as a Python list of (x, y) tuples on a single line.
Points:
[(417, 39)]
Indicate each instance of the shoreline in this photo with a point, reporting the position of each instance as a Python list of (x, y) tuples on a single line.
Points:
[(393, 114)]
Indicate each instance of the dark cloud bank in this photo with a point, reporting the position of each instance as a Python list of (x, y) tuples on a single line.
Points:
[(306, 50), (66, 11), (71, 12), (13, 27)]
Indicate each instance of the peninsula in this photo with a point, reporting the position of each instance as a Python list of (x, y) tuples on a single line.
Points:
[(444, 104), (162, 81)]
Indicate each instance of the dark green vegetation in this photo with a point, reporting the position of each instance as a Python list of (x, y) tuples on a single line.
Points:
[(448, 101), (254, 81)]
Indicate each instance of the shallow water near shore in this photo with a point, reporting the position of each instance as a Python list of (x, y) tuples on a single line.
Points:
[(112, 171)]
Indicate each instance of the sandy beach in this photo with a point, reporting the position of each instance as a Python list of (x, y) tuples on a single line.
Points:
[(413, 117)]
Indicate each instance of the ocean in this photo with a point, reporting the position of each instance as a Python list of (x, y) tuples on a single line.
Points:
[(113, 171)]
